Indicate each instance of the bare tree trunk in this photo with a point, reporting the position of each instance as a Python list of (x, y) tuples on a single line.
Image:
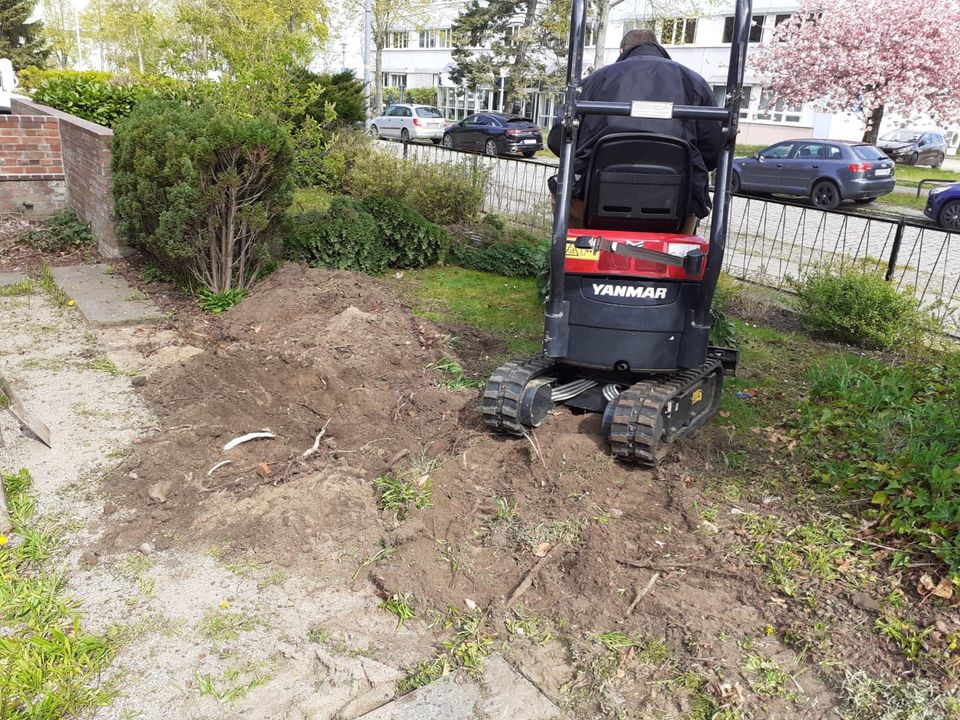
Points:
[(872, 131), (378, 77), (603, 17), (136, 42)]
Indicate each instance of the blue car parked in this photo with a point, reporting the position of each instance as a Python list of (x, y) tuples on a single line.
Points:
[(943, 205), (825, 171)]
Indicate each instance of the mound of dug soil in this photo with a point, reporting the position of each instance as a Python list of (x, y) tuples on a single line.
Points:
[(582, 543)]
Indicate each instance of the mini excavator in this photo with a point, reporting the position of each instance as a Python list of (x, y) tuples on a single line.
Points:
[(628, 315)]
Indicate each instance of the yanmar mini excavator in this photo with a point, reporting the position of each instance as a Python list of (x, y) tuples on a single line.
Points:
[(627, 319)]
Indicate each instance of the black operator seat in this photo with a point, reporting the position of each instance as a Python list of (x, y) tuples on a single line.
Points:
[(638, 182)]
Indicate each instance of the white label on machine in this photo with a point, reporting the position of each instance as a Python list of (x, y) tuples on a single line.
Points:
[(646, 109), (681, 249)]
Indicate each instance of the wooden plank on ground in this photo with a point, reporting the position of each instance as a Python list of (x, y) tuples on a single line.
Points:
[(16, 407)]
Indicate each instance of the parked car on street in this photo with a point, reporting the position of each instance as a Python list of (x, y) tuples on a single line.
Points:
[(914, 147), (409, 122), (825, 171), (495, 134), (943, 206)]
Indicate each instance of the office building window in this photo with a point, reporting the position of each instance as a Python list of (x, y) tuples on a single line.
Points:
[(398, 39), (774, 109), (395, 80), (677, 31), (435, 38), (720, 98), (756, 28)]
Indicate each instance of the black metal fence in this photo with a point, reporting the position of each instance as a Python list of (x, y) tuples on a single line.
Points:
[(770, 242)]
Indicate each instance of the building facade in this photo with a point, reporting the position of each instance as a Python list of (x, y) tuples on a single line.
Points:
[(421, 57)]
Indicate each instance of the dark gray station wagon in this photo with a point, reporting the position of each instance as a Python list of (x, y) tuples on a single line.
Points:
[(825, 171)]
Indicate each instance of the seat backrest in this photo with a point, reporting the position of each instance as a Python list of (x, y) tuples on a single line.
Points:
[(638, 182)]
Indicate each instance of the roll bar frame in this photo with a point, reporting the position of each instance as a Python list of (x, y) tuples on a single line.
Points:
[(556, 318)]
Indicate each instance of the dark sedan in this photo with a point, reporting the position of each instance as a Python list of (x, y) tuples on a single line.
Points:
[(943, 205), (495, 134), (825, 171)]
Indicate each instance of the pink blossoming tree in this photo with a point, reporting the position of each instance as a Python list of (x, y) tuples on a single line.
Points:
[(868, 57)]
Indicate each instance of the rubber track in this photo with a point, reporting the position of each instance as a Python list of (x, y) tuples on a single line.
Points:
[(501, 395), (634, 433)]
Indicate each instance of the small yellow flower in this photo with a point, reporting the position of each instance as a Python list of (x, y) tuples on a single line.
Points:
[(3, 539), (769, 630), (224, 604), (71, 303)]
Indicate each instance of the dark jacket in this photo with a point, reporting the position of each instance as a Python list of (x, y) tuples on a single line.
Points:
[(646, 72)]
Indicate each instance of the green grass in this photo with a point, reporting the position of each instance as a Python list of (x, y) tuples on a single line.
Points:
[(223, 626), (508, 308), (50, 288), (400, 606), (889, 436), (312, 198), (455, 376), (105, 365), (467, 648), (910, 175), (49, 665), (898, 200), (216, 303), (24, 287), (401, 493), (748, 150)]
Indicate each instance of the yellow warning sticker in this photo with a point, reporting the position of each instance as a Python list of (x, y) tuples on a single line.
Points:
[(581, 253), (697, 396)]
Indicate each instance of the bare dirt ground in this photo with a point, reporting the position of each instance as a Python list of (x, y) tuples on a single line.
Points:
[(252, 589)]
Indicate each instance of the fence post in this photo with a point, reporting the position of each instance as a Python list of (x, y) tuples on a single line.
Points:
[(895, 251), (405, 143)]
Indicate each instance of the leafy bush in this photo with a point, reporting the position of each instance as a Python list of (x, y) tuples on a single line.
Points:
[(422, 96), (346, 237), (495, 246), (862, 309), (216, 303), (201, 190), (442, 193), (414, 241), (342, 91), (63, 231), (891, 435), (99, 97)]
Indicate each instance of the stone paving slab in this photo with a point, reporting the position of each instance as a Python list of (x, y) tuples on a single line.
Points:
[(501, 694), (11, 278), (103, 298)]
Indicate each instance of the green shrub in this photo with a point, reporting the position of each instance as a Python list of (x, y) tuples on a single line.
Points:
[(422, 96), (343, 91), (415, 242), (862, 309), (497, 247), (63, 231), (100, 97), (443, 193), (346, 237), (201, 190), (341, 147), (890, 435)]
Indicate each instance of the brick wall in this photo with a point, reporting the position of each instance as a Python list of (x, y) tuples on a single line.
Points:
[(31, 166), (85, 149)]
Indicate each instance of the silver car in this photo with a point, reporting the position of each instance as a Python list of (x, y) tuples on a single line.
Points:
[(409, 122)]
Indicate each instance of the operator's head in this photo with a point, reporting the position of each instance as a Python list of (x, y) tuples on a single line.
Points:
[(636, 37)]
